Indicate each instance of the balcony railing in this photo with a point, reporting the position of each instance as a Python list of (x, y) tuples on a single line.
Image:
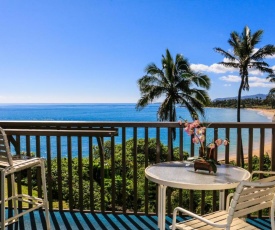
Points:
[(116, 180)]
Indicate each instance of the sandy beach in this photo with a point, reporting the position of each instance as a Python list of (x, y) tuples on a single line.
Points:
[(267, 149), (265, 112)]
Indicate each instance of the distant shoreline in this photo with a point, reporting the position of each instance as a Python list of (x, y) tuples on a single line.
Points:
[(265, 112)]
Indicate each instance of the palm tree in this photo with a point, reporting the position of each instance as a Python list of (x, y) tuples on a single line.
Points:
[(174, 82), (246, 56), (270, 99), (271, 93)]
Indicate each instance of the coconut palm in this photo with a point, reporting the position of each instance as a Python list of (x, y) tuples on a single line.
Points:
[(270, 99), (174, 83), (271, 93), (245, 56)]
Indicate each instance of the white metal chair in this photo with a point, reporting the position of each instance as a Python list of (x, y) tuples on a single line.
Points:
[(249, 197), (10, 165)]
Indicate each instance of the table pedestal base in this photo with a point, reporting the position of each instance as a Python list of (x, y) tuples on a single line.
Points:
[(161, 206)]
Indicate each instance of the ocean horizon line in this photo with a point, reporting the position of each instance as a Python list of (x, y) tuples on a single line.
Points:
[(120, 112), (61, 103)]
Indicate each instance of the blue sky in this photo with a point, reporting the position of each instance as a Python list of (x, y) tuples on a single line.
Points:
[(88, 51)]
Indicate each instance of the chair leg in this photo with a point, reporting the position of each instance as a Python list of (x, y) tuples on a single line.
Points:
[(174, 219), (3, 200), (44, 188), (14, 194), (272, 216)]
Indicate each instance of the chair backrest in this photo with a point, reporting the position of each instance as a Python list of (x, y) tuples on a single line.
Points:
[(252, 196), (266, 179), (5, 154)]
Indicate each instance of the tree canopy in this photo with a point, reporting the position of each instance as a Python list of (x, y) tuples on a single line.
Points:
[(246, 56), (174, 83)]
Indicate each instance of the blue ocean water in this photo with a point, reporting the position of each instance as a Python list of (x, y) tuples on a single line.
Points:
[(118, 112), (114, 112)]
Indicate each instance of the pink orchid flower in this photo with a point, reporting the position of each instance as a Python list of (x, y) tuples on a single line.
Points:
[(196, 129), (196, 123), (196, 140), (218, 142), (202, 138), (225, 142), (211, 145)]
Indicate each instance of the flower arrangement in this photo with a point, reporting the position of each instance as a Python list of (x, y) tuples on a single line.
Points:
[(206, 152)]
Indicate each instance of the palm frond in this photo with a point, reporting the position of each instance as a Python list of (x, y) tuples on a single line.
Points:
[(201, 80), (262, 68), (152, 69), (230, 64), (268, 50), (227, 55), (271, 77), (271, 91), (193, 107), (235, 42), (258, 63), (256, 37), (149, 94)]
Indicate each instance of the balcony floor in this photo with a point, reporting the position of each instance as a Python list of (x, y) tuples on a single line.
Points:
[(79, 220)]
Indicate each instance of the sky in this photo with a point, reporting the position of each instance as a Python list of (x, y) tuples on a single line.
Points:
[(94, 51)]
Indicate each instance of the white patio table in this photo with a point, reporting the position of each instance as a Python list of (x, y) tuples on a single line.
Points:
[(181, 174)]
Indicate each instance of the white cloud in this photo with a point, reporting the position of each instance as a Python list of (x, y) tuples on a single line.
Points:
[(258, 79), (218, 68), (254, 82), (260, 82), (230, 78), (255, 72), (261, 85), (214, 68)]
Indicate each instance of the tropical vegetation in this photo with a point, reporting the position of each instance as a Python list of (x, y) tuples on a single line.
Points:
[(174, 83), (86, 180), (267, 103)]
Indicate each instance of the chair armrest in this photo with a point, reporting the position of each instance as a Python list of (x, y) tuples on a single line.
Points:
[(194, 216), (262, 172), (228, 199)]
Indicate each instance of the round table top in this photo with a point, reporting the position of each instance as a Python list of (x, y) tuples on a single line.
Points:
[(181, 174)]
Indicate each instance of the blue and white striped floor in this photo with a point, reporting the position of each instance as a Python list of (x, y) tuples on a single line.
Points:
[(98, 221)]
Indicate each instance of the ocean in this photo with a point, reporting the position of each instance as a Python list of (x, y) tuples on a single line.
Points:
[(114, 112), (118, 112)]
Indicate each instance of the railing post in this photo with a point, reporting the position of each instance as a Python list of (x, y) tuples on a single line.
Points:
[(53, 148), (273, 149)]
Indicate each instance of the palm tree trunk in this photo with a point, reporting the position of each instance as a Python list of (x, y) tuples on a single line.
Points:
[(242, 155), (239, 119), (239, 104)]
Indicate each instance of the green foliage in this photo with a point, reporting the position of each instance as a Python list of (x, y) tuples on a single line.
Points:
[(124, 176), (245, 103), (256, 163)]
